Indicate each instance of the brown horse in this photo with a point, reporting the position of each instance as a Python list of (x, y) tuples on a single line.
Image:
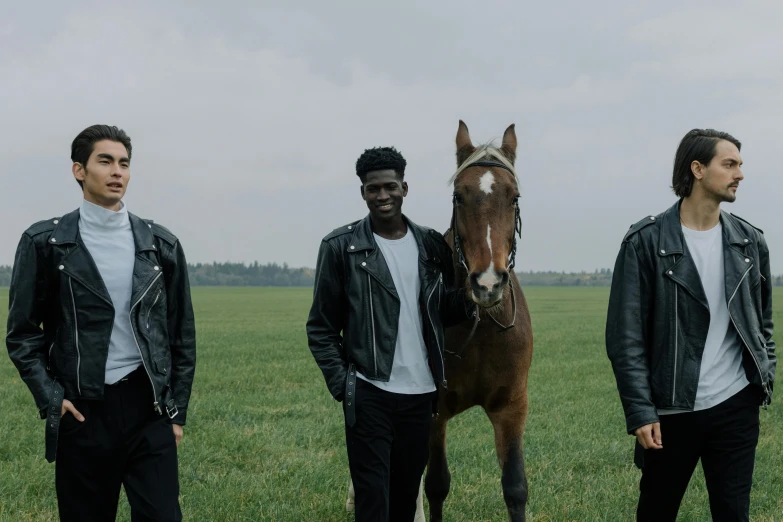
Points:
[(487, 361)]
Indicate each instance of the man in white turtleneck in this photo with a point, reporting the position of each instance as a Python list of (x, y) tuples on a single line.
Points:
[(101, 329), (108, 236)]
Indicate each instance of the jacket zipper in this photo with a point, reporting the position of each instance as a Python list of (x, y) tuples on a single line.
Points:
[(676, 342), (153, 306), (753, 356), (49, 360), (434, 331), (155, 404), (372, 322), (76, 334)]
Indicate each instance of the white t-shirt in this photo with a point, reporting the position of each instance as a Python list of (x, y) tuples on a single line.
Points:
[(410, 372), (722, 374)]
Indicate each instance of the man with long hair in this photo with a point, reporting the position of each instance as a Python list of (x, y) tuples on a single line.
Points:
[(689, 335)]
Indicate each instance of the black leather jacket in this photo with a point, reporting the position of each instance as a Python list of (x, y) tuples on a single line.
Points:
[(659, 316), (355, 311), (61, 316)]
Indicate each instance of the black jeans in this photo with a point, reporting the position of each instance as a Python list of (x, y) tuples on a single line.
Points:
[(122, 441), (725, 438), (388, 448)]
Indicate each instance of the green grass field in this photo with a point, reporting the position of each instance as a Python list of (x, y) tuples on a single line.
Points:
[(265, 440)]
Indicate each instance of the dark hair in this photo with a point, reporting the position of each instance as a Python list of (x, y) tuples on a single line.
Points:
[(698, 145), (380, 158), (84, 144)]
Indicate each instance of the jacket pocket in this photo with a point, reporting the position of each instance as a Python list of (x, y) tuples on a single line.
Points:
[(764, 362), (64, 366), (163, 364)]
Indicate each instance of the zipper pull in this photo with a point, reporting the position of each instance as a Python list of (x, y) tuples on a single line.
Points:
[(156, 407), (766, 400)]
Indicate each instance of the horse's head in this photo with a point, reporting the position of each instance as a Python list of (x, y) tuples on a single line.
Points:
[(486, 214)]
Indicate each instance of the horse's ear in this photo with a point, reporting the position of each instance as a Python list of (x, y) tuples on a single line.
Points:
[(509, 146), (464, 146)]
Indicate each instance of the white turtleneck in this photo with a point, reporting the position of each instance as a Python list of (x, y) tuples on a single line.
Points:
[(109, 239)]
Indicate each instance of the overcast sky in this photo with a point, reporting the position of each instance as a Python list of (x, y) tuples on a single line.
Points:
[(247, 117)]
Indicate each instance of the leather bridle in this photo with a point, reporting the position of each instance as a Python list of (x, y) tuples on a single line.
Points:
[(511, 258), (517, 222)]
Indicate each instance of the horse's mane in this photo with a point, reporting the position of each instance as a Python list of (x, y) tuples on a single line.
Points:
[(488, 152)]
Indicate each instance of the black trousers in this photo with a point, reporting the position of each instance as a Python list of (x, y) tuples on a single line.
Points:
[(388, 448), (122, 441), (724, 437)]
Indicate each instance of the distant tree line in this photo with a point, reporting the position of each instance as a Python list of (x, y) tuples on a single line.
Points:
[(230, 274), (255, 274), (602, 277), (273, 274)]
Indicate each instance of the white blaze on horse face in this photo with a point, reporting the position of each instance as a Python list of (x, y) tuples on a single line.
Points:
[(486, 181), (489, 278), (489, 240)]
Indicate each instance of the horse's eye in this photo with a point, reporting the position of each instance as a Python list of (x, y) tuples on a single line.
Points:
[(457, 198)]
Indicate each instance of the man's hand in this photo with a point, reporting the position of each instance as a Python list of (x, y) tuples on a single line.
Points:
[(650, 436), (68, 406), (177, 433)]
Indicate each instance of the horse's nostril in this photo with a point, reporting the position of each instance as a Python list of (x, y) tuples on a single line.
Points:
[(474, 282), (502, 280)]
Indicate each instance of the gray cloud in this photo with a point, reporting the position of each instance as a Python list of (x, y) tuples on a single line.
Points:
[(246, 121)]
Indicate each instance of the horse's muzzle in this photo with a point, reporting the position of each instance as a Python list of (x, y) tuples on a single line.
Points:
[(487, 288)]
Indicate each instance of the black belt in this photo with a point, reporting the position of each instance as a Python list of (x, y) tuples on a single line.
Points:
[(53, 420), (350, 396)]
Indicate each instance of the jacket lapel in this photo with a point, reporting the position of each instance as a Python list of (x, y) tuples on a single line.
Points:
[(77, 263), (676, 259), (426, 263), (736, 262), (145, 267), (369, 257)]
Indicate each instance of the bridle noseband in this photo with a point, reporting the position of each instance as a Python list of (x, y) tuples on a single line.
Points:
[(511, 258)]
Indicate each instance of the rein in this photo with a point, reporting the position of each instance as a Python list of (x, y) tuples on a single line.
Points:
[(511, 258)]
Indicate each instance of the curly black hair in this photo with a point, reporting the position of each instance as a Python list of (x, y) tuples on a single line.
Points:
[(380, 158)]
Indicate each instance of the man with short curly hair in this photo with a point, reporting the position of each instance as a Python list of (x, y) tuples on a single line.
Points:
[(383, 295)]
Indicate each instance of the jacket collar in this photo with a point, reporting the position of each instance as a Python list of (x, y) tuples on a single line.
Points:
[(66, 232), (680, 266), (372, 260), (671, 239), (363, 239), (78, 264)]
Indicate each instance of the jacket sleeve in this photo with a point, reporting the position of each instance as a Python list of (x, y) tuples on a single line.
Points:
[(626, 340), (182, 331), (326, 321), (766, 309), (25, 338)]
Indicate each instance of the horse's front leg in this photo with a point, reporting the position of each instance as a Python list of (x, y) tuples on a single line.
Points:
[(509, 426), (437, 480)]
